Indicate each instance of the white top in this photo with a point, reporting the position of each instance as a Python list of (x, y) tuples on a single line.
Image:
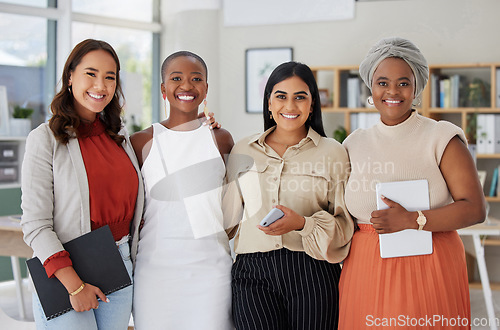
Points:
[(182, 278), (183, 175)]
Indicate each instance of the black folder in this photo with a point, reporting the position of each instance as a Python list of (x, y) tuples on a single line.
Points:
[(96, 260)]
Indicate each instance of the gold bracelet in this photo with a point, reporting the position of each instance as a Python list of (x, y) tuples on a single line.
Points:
[(77, 291)]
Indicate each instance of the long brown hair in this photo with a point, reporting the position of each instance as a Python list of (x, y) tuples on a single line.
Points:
[(65, 120)]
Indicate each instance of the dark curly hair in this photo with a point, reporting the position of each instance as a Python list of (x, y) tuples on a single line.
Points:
[(65, 121)]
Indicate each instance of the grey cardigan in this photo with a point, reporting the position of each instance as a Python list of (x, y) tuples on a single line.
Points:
[(55, 193)]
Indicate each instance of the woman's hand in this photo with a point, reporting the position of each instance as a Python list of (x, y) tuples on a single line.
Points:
[(210, 120), (393, 219), (86, 299), (290, 221)]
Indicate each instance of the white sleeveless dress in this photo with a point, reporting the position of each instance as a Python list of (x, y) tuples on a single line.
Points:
[(182, 276)]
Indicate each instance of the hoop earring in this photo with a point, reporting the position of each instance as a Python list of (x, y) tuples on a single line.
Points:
[(370, 100), (165, 107), (419, 101)]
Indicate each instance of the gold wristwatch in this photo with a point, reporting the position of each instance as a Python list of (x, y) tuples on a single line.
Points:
[(421, 220)]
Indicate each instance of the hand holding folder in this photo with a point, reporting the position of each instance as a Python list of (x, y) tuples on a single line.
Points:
[(96, 260), (413, 196)]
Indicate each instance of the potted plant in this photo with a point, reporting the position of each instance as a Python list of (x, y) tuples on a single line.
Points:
[(20, 123), (340, 134)]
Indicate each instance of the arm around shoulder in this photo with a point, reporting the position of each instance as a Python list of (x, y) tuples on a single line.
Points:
[(141, 142)]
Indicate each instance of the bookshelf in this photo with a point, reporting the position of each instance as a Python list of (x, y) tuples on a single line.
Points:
[(458, 93), (335, 80), (478, 88)]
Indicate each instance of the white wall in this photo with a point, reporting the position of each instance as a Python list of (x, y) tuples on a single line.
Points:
[(447, 31), (198, 32)]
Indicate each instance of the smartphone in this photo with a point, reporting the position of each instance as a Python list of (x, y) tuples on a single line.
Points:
[(271, 217)]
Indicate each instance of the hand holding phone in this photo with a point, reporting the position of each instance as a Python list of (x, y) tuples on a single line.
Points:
[(271, 217)]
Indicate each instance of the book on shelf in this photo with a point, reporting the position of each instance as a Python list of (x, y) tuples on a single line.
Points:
[(498, 88), (494, 183), (434, 91), (498, 185), (494, 128), (344, 75), (364, 120), (456, 85), (488, 133), (447, 91), (481, 133), (353, 92)]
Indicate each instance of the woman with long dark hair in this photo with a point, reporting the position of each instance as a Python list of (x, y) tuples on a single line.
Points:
[(285, 275)]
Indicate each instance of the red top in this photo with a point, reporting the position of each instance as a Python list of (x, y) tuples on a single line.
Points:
[(113, 185)]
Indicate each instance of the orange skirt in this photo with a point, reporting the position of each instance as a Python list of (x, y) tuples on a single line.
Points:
[(417, 292)]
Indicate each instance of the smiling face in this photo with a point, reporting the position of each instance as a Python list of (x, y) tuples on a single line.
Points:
[(393, 90), (185, 84), (93, 83), (290, 103)]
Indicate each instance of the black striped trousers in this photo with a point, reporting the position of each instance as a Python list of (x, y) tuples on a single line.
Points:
[(283, 289)]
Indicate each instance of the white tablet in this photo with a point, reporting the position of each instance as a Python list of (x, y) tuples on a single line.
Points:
[(413, 196)]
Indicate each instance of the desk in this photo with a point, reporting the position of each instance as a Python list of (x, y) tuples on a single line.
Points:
[(490, 227), (12, 244)]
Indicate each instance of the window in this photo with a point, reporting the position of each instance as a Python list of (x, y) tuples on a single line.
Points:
[(97, 19), (34, 3), (124, 9), (23, 63), (31, 60)]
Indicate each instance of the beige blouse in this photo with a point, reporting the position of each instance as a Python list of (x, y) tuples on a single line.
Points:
[(411, 150), (309, 179)]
